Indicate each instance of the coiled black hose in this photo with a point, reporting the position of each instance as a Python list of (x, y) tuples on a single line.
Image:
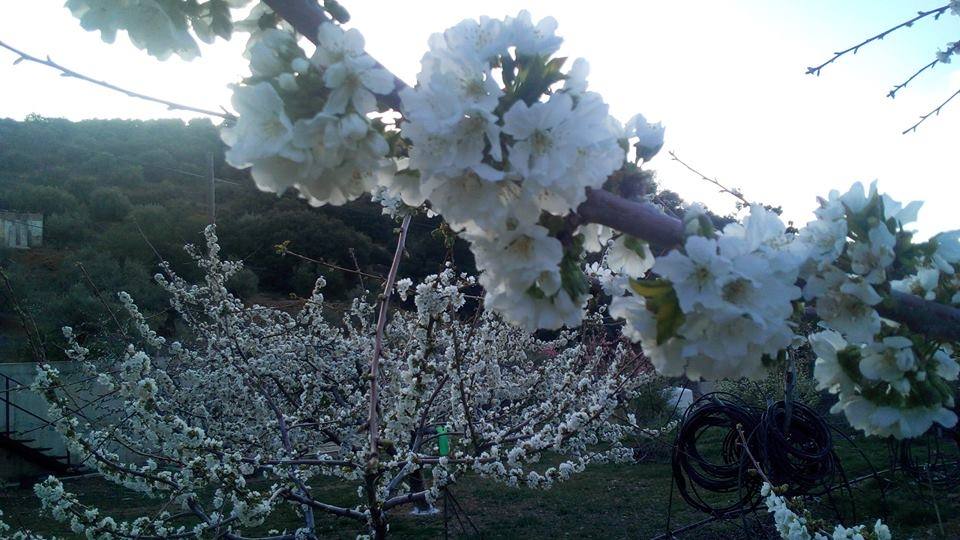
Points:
[(799, 454), (697, 473)]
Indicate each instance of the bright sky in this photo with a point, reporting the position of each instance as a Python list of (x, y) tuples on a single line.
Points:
[(726, 78)]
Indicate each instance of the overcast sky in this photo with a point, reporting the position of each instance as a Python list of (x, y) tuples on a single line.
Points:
[(725, 77)]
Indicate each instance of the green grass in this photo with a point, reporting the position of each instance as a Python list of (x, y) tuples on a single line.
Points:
[(606, 501)]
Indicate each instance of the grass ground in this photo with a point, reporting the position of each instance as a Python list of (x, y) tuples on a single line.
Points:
[(606, 501)]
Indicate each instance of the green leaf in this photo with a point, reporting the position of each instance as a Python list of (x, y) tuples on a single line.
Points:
[(572, 278), (669, 317), (635, 244), (849, 360), (663, 303), (651, 288), (220, 21), (535, 292)]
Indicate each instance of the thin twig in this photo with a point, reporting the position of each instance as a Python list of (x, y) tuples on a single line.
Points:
[(66, 72), (893, 93), (934, 112), (282, 249), (723, 189), (96, 292), (147, 240), (26, 320), (936, 507), (746, 448), (356, 265), (854, 49)]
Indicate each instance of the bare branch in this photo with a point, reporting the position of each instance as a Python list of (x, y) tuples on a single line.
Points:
[(893, 93), (937, 12), (66, 72), (27, 321), (405, 499), (723, 189), (103, 301), (934, 112), (329, 508), (284, 249)]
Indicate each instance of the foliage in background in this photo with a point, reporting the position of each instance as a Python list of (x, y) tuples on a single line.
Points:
[(96, 181)]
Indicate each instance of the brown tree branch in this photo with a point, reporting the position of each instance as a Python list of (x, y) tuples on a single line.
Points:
[(639, 219), (66, 72), (378, 340)]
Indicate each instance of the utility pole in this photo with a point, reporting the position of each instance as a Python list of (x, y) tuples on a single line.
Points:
[(213, 189)]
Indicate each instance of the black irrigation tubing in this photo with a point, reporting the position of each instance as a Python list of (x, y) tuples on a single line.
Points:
[(873, 472), (800, 454), (935, 467), (694, 473)]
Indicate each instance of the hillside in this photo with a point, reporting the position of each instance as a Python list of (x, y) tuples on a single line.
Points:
[(100, 182)]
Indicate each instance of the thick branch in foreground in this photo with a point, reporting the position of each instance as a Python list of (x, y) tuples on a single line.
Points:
[(642, 220), (937, 321), (645, 221), (66, 72)]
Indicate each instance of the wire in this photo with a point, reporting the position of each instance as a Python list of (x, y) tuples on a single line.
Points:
[(928, 460)]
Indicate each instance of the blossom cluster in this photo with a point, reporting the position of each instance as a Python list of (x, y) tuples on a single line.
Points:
[(793, 526), (502, 150), (233, 424), (494, 137), (304, 122), (889, 381), (725, 306), (505, 144), (723, 303), (887, 387), (852, 245), (936, 275)]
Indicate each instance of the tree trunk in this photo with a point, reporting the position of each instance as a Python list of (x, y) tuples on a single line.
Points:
[(417, 485)]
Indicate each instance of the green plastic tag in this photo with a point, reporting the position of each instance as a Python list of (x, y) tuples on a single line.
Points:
[(443, 441)]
